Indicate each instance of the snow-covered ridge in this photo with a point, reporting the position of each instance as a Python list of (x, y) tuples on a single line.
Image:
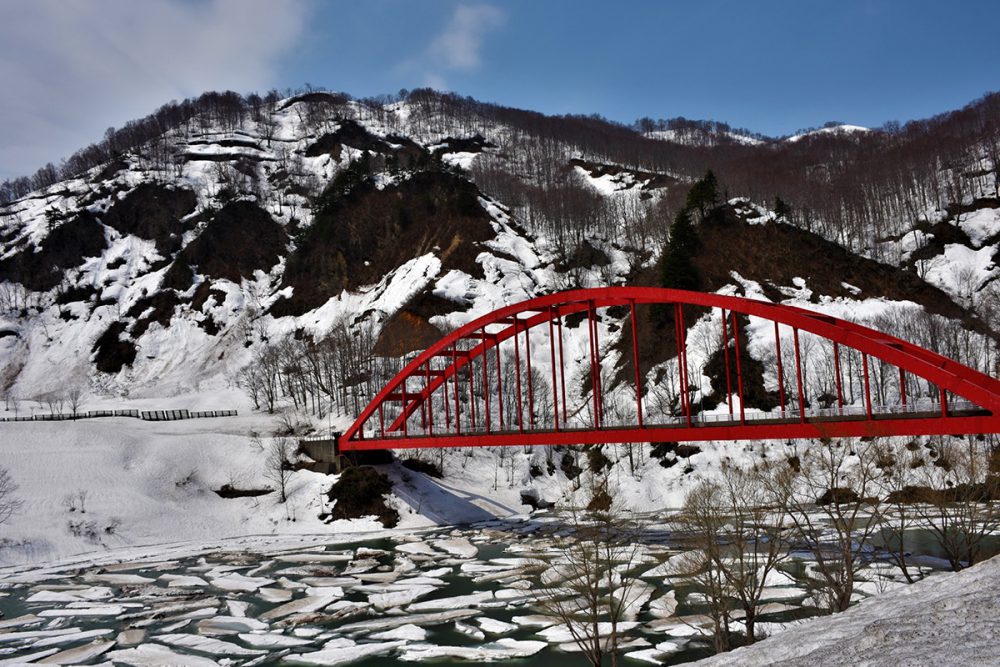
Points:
[(843, 129)]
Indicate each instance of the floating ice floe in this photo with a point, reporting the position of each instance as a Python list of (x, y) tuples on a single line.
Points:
[(469, 631), (274, 594), (407, 632), (502, 649), (78, 654), (457, 602), (182, 581), (120, 579), (460, 547), (664, 606), (307, 604), (76, 595), (421, 620), (342, 651), (96, 610), (158, 655), (560, 634), (400, 597), (656, 655), (73, 637), (230, 625), (272, 640), (535, 621), (206, 645), (417, 549), (495, 627), (322, 557), (239, 582)]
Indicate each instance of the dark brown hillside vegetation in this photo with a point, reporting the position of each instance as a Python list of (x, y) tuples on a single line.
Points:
[(241, 238), (774, 254), (354, 135), (372, 232), (153, 212), (66, 246), (410, 328), (360, 492), (111, 353)]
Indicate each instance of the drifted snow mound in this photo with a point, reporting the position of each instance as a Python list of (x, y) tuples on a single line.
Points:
[(948, 619)]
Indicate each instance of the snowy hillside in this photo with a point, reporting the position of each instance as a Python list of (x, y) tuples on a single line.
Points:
[(319, 240)]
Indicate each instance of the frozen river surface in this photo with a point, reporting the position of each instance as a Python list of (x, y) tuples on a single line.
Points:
[(445, 595)]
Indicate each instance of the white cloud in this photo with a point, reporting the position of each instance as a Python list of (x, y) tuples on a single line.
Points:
[(71, 68), (458, 46)]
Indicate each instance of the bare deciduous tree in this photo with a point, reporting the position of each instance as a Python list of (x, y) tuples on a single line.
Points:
[(737, 525), (9, 503), (590, 587), (278, 464), (957, 501), (831, 500)]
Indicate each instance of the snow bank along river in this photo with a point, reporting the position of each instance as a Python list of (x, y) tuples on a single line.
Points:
[(443, 595)]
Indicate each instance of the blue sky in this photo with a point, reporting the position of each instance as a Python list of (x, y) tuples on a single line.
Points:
[(771, 66), (71, 68)]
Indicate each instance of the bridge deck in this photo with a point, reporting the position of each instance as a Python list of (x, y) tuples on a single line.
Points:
[(964, 419)]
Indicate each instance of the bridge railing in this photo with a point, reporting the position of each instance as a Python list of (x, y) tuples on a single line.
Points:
[(914, 407)]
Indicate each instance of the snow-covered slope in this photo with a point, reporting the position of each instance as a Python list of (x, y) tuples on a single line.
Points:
[(948, 619), (842, 129)]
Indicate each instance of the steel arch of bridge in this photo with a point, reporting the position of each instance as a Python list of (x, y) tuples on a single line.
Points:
[(437, 372)]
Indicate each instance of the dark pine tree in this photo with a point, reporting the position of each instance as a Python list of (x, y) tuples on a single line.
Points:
[(781, 209), (677, 270), (704, 195)]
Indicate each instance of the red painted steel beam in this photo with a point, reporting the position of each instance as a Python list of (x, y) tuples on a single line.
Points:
[(955, 378), (790, 429)]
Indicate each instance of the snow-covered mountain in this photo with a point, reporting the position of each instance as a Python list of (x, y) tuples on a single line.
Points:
[(165, 268)]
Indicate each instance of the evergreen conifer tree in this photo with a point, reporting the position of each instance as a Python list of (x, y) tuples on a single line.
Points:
[(677, 270)]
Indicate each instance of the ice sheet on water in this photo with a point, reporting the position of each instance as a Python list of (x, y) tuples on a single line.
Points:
[(470, 631), (239, 582), (307, 604), (390, 622), (418, 549), (271, 640), (456, 602), (407, 632), (502, 649), (560, 634), (339, 652), (206, 645), (78, 654), (182, 580), (664, 606), (119, 579), (460, 547), (158, 655), (535, 621), (237, 607), (96, 610), (73, 595), (321, 557), (495, 627), (72, 637), (400, 597), (230, 625)]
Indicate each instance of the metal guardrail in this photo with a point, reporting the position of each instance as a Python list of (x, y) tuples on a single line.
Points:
[(145, 415)]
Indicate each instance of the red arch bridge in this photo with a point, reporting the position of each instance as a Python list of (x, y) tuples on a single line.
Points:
[(504, 378)]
